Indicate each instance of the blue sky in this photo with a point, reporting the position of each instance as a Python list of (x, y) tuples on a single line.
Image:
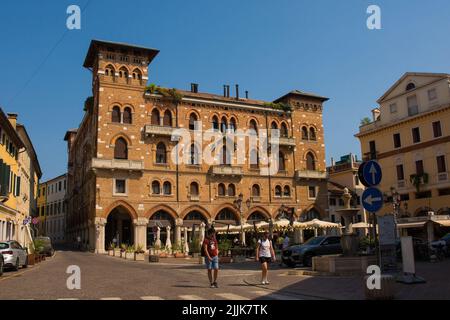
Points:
[(268, 47)]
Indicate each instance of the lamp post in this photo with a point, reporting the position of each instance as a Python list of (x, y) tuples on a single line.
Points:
[(396, 202)]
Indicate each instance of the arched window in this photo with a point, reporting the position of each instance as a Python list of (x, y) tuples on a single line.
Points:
[(233, 124), (215, 123), (221, 190), (226, 215), (304, 133), (310, 162), (161, 156), (194, 189), (156, 188), (167, 120), (121, 149), (274, 125), (137, 75), (155, 117), (254, 158), (223, 125), (253, 127), (167, 188), (225, 156), (115, 114), (410, 86), (281, 161), (127, 115), (192, 120), (231, 190), (277, 191), (312, 133), (283, 130), (256, 216), (286, 191), (123, 73), (193, 155), (256, 191), (110, 72)]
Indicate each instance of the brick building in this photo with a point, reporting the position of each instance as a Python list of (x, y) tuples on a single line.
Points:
[(122, 181)]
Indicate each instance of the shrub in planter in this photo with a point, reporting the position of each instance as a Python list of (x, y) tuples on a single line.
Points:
[(123, 250), (31, 259), (153, 258), (129, 253), (139, 253), (194, 247)]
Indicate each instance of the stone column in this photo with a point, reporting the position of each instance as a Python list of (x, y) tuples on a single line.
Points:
[(297, 235), (100, 235), (430, 231), (140, 232), (243, 221), (178, 225), (302, 236), (315, 232), (168, 240), (202, 233), (186, 243)]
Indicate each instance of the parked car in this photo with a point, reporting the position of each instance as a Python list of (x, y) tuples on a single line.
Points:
[(317, 246), (2, 263), (13, 254), (443, 243), (47, 247)]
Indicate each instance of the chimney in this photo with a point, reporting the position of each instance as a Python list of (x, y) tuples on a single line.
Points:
[(227, 95), (376, 114), (225, 91), (332, 162), (246, 94), (12, 117), (194, 87), (237, 92)]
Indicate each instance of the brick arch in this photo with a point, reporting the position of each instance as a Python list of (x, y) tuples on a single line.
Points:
[(123, 67), (120, 135), (198, 208), (129, 106), (310, 151), (162, 207), (228, 206), (123, 204), (418, 210), (115, 104), (261, 209), (320, 210)]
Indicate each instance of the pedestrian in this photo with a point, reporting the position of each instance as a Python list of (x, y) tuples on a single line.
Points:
[(285, 242), (265, 254), (210, 251)]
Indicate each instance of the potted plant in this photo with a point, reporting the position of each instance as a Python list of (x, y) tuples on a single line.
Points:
[(194, 247), (139, 253), (129, 253), (30, 257), (111, 248), (177, 251), (38, 248), (163, 252), (123, 249), (224, 251)]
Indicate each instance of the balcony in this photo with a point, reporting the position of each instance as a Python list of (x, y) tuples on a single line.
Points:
[(116, 164), (225, 170), (311, 175), (286, 141), (154, 130)]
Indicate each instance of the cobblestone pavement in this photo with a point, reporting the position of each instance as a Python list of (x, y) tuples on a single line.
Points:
[(111, 278)]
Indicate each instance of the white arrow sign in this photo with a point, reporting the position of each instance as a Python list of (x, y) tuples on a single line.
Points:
[(373, 171), (371, 200)]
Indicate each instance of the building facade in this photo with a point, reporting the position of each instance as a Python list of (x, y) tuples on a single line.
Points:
[(123, 182), (53, 208), (344, 174), (19, 176), (410, 138)]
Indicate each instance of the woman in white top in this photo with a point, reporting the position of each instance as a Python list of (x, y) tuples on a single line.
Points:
[(265, 254)]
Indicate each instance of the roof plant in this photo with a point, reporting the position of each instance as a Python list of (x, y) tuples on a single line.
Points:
[(173, 94), (286, 107)]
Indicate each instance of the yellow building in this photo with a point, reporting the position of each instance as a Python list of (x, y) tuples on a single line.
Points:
[(41, 205), (10, 180), (409, 136)]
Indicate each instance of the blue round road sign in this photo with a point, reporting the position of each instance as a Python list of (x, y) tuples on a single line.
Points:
[(372, 199), (372, 173)]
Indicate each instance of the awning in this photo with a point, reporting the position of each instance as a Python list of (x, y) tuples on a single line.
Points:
[(360, 225), (419, 224), (444, 223)]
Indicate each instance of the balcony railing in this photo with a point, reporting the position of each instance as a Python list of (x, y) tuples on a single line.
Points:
[(311, 174), (227, 170), (286, 141), (158, 130), (117, 164)]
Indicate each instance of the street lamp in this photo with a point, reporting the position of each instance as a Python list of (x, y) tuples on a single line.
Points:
[(396, 202)]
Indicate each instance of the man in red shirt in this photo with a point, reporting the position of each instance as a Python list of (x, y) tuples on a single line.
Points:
[(211, 252)]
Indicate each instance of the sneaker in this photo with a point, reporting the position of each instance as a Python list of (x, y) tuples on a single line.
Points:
[(212, 285), (263, 282), (215, 285), (267, 282)]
